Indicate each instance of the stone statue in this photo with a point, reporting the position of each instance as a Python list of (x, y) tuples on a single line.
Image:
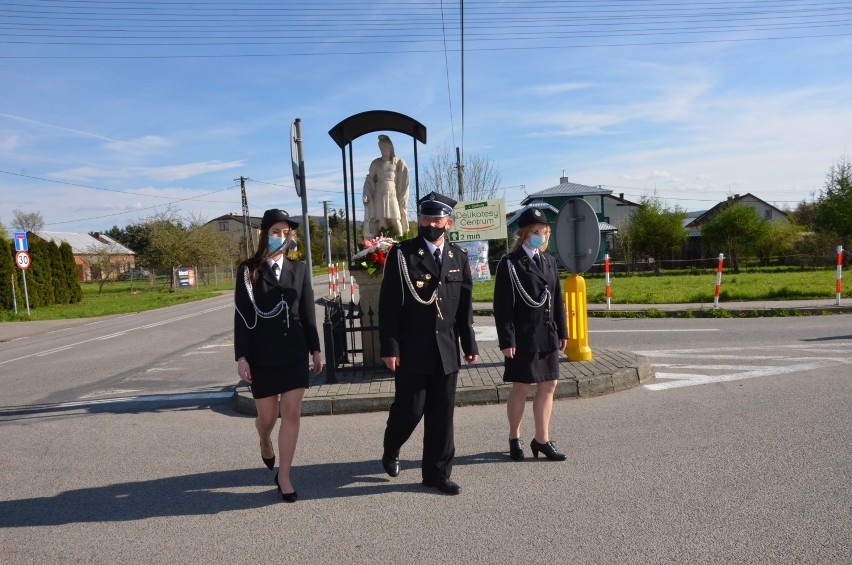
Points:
[(386, 193)]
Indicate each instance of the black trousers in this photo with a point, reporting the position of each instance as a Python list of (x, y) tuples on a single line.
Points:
[(429, 396)]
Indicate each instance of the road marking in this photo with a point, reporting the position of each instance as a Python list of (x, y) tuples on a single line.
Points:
[(651, 331), (486, 333), (99, 338), (151, 398), (751, 362)]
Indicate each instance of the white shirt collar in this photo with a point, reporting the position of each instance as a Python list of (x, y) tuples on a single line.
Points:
[(432, 247), (530, 252), (279, 262)]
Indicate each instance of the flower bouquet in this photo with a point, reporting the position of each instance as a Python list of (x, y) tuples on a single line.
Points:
[(375, 253)]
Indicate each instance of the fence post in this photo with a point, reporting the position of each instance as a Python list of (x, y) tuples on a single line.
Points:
[(606, 278), (718, 281), (839, 275)]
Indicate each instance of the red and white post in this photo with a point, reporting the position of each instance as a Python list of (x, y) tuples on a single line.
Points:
[(606, 278), (330, 284), (839, 275), (351, 288), (718, 280)]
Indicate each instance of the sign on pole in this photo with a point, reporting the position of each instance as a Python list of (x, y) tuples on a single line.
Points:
[(22, 258), (21, 241), (474, 221)]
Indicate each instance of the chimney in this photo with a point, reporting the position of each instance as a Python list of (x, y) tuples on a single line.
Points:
[(563, 180), (621, 196)]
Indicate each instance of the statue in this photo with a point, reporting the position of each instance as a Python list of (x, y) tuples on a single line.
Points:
[(386, 193)]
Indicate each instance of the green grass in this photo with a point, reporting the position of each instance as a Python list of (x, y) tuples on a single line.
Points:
[(700, 287), (695, 287), (117, 298)]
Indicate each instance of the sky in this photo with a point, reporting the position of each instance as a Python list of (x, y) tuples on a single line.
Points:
[(112, 111)]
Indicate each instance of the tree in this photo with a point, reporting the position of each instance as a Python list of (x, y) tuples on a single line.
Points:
[(27, 221), (833, 209), (481, 176), (779, 238), (72, 279), (624, 245), (734, 230), (656, 230), (803, 214), (136, 237), (104, 264)]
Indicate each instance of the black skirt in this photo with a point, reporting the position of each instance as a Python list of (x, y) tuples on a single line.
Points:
[(531, 367), (271, 381)]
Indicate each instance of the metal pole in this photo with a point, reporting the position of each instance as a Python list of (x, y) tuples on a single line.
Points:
[(26, 294), (14, 299), (327, 232), (460, 171), (301, 158)]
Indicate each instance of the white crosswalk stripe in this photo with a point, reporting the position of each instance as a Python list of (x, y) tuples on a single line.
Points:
[(677, 368)]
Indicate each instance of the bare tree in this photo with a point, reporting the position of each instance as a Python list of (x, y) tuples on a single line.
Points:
[(105, 262), (27, 221), (481, 176)]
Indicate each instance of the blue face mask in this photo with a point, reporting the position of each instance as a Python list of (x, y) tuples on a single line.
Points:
[(275, 243), (535, 241)]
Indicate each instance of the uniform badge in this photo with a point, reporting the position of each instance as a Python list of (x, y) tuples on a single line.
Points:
[(450, 253), (420, 252), (428, 276), (420, 284)]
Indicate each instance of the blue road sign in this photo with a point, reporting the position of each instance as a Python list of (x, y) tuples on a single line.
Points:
[(21, 241)]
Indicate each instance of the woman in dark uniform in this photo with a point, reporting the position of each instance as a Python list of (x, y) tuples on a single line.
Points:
[(530, 316), (275, 331)]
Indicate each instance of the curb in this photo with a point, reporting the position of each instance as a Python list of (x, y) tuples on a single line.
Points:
[(613, 372)]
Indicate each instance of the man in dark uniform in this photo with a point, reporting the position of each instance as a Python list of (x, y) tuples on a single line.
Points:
[(425, 309)]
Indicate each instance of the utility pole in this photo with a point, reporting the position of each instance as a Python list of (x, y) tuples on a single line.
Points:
[(460, 170), (248, 231), (327, 233)]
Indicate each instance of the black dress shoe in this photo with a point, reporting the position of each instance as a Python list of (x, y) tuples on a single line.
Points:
[(285, 496), (268, 461), (548, 449), (515, 451), (391, 465), (444, 485)]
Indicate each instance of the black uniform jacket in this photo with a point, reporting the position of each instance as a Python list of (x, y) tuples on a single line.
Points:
[(414, 332), (271, 341), (519, 325)]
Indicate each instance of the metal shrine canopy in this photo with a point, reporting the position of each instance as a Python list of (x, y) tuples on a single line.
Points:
[(355, 126)]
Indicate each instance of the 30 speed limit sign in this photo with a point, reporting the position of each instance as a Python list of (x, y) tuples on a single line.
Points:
[(22, 258)]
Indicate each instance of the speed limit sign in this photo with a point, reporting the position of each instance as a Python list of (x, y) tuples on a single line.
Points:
[(22, 258)]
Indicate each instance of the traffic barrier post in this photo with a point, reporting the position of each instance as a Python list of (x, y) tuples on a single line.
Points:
[(606, 278), (839, 275), (718, 281)]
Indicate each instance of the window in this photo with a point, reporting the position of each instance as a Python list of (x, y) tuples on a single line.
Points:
[(767, 214), (223, 226)]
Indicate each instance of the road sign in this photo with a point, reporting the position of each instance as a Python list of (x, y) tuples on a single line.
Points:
[(475, 221), (22, 258), (577, 235), (21, 241), (296, 158)]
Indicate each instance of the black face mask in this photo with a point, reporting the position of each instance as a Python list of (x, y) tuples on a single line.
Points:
[(430, 233)]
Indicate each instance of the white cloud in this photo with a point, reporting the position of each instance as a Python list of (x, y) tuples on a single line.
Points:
[(558, 88), (163, 174), (143, 144), (9, 143)]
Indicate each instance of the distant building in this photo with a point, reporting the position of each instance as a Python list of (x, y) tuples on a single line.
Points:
[(550, 200), (232, 227), (88, 251), (695, 220)]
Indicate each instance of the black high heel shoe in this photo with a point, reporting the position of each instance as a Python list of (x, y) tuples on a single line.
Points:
[(286, 496), (515, 451), (548, 449), (269, 462)]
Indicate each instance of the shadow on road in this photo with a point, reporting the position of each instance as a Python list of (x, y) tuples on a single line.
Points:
[(214, 492)]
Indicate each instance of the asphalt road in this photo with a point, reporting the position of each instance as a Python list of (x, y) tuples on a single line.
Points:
[(747, 459)]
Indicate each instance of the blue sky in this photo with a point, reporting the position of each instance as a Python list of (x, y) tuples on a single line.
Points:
[(155, 103)]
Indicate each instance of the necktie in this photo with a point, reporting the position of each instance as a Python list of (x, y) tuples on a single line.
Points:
[(438, 257), (276, 270), (537, 260)]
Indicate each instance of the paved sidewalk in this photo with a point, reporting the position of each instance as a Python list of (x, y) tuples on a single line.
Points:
[(480, 383)]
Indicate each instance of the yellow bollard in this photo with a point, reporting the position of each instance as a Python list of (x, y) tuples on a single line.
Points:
[(574, 292)]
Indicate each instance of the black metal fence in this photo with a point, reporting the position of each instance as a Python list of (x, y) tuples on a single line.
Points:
[(346, 330)]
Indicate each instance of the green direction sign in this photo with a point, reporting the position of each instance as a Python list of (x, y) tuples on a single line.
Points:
[(483, 219)]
